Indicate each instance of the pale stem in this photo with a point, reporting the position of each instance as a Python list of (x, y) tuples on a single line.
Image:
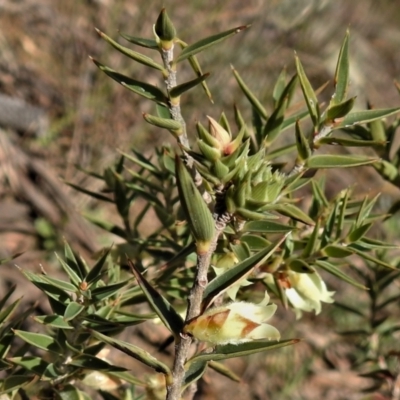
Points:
[(182, 348)]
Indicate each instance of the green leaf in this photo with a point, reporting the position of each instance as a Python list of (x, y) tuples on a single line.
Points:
[(342, 73), (39, 340), (127, 377), (95, 273), (104, 292), (3, 301), (312, 241), (15, 382), (73, 310), (207, 42), (148, 43), (55, 321), (366, 256), (196, 211), (332, 140), (358, 233), (257, 106), (361, 117), (300, 266), (74, 277), (338, 161), (141, 88), (266, 227), (197, 69), (336, 251), (340, 110), (8, 311), (33, 364), (279, 86), (165, 123), (255, 242), (309, 94), (52, 287), (244, 349), (90, 193), (234, 274), (134, 55), (303, 147), (135, 352), (184, 87), (290, 210), (274, 123), (94, 363), (170, 318), (390, 172), (193, 372), (224, 370), (334, 270)]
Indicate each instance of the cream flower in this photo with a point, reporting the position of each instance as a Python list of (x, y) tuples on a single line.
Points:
[(234, 323), (307, 291)]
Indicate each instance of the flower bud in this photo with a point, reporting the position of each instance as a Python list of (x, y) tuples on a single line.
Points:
[(223, 136), (234, 323)]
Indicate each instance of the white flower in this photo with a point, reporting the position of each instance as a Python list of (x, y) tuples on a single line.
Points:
[(234, 323), (307, 291)]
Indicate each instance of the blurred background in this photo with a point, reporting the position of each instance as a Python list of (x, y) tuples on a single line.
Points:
[(58, 111)]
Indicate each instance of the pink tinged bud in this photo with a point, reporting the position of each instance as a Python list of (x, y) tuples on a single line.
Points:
[(234, 323), (223, 137)]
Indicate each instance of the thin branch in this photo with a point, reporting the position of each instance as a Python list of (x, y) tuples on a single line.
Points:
[(194, 308)]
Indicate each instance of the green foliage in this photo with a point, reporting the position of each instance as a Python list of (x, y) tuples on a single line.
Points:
[(228, 196)]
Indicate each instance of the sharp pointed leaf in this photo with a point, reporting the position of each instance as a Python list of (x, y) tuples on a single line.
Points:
[(203, 44), (135, 352), (266, 227), (230, 277), (141, 88), (342, 73), (134, 55), (55, 321), (232, 350), (361, 117), (336, 271), (338, 161), (148, 43), (224, 370), (309, 94), (184, 87), (257, 106), (73, 310), (40, 341), (193, 372), (171, 319)]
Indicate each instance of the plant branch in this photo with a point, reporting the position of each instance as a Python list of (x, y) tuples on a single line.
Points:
[(194, 308)]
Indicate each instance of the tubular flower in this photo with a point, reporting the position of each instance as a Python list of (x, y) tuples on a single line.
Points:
[(234, 323), (307, 291)]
